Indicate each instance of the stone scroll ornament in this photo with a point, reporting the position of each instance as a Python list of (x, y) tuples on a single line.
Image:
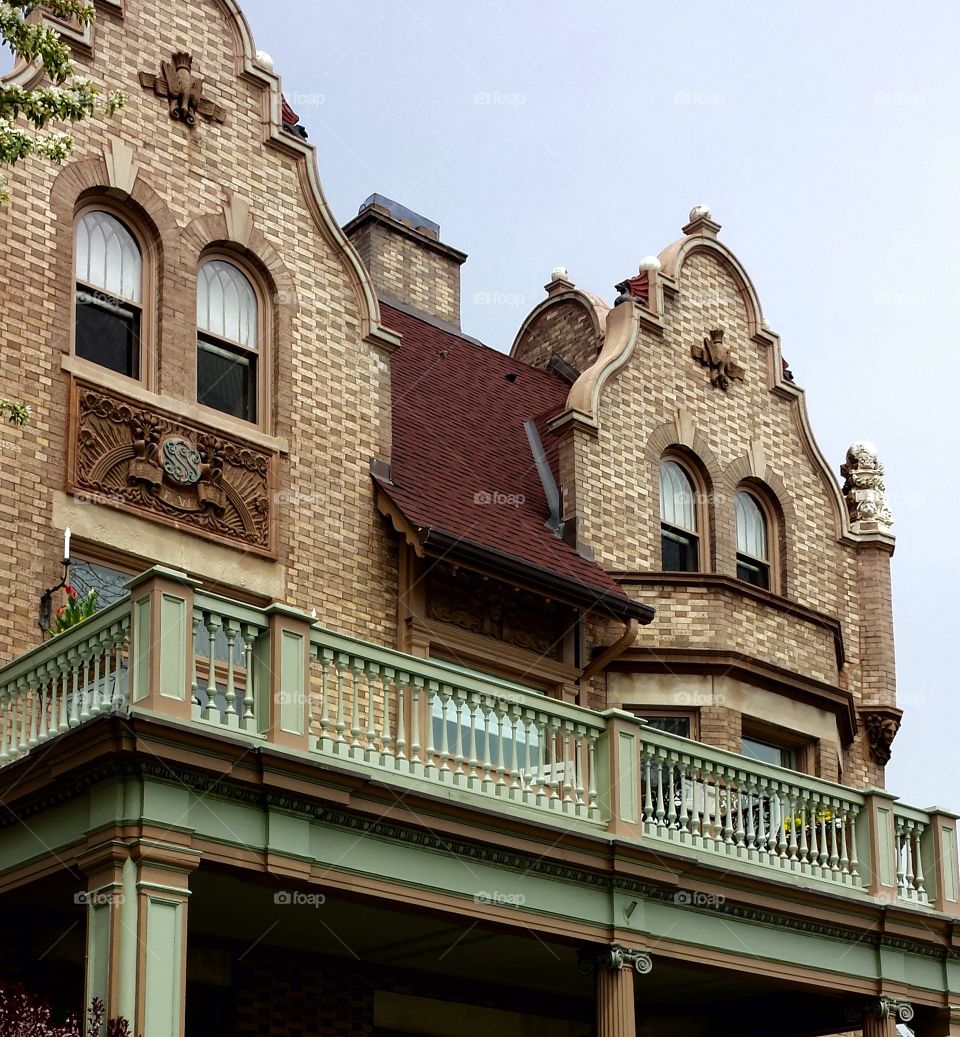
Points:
[(139, 460), (183, 90), (864, 489), (617, 958), (714, 354)]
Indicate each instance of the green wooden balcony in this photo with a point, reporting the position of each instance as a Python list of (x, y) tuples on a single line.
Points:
[(274, 676)]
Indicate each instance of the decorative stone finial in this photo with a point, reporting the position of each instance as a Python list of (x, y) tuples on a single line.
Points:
[(264, 60), (700, 212), (864, 489), (651, 264), (559, 281)]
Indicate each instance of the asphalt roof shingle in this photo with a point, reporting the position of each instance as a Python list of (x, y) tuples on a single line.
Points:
[(461, 460)]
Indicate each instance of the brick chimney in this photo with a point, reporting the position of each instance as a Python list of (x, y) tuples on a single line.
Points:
[(406, 260)]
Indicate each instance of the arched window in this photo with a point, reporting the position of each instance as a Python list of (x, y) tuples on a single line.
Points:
[(109, 296), (228, 340), (753, 540), (679, 537)]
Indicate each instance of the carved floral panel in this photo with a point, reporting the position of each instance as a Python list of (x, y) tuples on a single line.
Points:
[(127, 456)]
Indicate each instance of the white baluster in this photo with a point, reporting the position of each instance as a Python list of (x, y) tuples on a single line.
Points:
[(211, 711), (248, 633)]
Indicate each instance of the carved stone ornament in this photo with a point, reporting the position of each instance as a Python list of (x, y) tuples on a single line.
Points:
[(864, 489), (881, 725), (615, 957), (128, 457), (183, 90), (488, 607), (634, 289), (715, 355), (880, 1008)]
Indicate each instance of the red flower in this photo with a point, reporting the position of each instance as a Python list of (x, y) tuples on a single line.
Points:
[(70, 591), (60, 611)]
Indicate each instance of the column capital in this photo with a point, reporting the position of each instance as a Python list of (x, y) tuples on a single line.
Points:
[(880, 1008), (615, 957)]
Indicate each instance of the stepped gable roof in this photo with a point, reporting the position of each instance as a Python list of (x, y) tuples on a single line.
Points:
[(462, 472)]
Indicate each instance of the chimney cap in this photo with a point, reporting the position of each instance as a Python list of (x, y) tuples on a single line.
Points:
[(402, 214)]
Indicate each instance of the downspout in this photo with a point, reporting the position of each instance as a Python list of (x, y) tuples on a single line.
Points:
[(611, 652)]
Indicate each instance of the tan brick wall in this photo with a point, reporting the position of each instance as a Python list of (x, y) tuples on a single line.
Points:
[(407, 266), (564, 328), (610, 480), (331, 401)]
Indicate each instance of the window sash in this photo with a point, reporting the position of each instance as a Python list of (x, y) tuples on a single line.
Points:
[(752, 538), (107, 333), (244, 404), (107, 256), (227, 307), (677, 496), (680, 550)]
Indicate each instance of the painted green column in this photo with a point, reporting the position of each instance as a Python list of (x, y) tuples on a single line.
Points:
[(136, 957)]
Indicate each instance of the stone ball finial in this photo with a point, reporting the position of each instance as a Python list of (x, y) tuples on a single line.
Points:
[(264, 60), (559, 273), (862, 448), (652, 264), (700, 212)]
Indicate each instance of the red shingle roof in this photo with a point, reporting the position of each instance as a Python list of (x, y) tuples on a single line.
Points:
[(461, 461)]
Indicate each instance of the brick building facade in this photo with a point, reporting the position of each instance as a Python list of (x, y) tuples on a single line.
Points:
[(536, 672)]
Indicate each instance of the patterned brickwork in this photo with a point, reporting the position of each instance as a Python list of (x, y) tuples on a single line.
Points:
[(565, 329), (407, 266), (330, 399), (610, 479)]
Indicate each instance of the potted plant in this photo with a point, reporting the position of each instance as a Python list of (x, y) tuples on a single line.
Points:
[(78, 608)]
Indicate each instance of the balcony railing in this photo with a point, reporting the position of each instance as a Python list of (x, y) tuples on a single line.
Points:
[(273, 675)]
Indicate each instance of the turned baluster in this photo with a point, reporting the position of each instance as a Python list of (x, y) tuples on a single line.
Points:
[(230, 716), (248, 634), (211, 711), (387, 676), (371, 675), (403, 682)]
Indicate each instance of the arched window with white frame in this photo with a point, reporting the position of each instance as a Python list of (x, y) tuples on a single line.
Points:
[(108, 269), (679, 520), (753, 540), (228, 340)]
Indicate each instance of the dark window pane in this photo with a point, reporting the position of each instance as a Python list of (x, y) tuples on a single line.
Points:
[(671, 725), (778, 755), (226, 380), (108, 333), (680, 552), (107, 582), (753, 572)]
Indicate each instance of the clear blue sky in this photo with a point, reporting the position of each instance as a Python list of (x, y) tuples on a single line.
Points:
[(825, 139)]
